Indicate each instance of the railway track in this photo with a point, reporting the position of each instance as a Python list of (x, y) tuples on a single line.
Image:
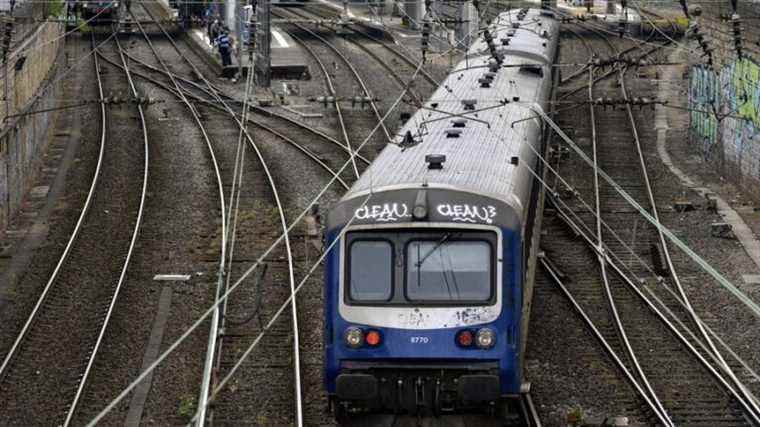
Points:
[(44, 372), (257, 215), (222, 343), (408, 57), (340, 92), (400, 80), (685, 387)]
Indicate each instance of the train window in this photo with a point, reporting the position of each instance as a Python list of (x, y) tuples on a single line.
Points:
[(370, 270), (442, 270)]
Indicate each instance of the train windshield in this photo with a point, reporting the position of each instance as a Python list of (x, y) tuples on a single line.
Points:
[(371, 270), (418, 266), (446, 270)]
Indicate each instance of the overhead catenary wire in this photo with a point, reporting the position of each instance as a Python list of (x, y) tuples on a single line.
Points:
[(24, 52), (241, 279), (704, 265), (230, 290), (67, 249), (128, 257)]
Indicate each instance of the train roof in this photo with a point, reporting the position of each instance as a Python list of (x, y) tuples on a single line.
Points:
[(472, 125), (527, 33)]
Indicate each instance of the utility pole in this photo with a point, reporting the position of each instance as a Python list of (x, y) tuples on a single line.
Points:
[(230, 6), (467, 25), (263, 61), (6, 46)]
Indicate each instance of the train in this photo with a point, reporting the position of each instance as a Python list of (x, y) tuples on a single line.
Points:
[(426, 283), (98, 11)]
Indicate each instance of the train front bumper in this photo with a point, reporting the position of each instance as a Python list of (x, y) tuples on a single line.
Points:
[(414, 387)]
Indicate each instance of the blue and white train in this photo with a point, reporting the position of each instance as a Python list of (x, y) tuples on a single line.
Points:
[(426, 297)]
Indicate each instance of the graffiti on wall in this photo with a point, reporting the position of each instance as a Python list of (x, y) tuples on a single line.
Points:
[(725, 108), (704, 96)]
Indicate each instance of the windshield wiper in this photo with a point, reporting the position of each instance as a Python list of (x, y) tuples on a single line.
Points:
[(430, 252)]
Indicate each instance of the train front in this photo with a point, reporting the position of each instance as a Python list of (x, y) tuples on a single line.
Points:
[(422, 302)]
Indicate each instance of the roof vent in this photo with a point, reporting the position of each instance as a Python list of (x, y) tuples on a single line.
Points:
[(434, 105), (516, 98), (545, 34), (511, 33), (453, 133), (459, 123), (515, 25), (469, 104), (505, 41), (435, 161), (484, 82)]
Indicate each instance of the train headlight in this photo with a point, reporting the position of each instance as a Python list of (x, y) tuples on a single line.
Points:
[(354, 337), (485, 338)]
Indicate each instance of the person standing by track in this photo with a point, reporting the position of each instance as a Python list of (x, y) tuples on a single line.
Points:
[(224, 44), (213, 30)]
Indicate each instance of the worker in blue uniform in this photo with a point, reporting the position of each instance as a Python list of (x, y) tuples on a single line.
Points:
[(224, 44)]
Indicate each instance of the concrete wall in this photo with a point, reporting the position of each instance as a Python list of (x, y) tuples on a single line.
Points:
[(23, 139), (725, 100)]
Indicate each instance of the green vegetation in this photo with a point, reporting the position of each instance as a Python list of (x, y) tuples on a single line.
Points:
[(56, 8), (575, 416), (186, 408)]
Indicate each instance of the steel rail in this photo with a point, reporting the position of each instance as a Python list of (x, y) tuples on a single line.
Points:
[(356, 74), (583, 69), (663, 242), (333, 92), (210, 104), (135, 233), (396, 76), (720, 361), (427, 76), (612, 70), (530, 408), (590, 242), (74, 234), (235, 191), (603, 265), (404, 58), (597, 333), (671, 267), (211, 346), (259, 261), (259, 110), (212, 339), (650, 196)]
